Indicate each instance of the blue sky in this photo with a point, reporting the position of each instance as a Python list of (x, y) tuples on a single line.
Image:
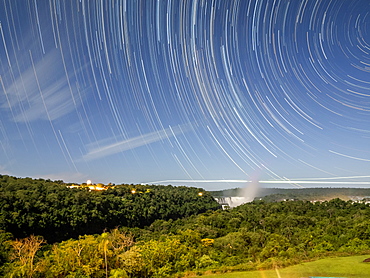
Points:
[(205, 93)]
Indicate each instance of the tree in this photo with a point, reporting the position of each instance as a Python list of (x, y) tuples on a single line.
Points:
[(75, 257), (163, 258), (275, 246), (5, 248), (23, 256)]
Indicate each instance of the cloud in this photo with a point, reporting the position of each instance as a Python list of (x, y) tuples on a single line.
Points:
[(40, 91), (96, 151)]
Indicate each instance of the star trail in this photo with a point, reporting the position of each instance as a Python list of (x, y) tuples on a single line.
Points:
[(196, 91)]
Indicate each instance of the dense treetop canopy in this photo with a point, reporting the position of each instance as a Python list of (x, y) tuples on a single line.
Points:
[(51, 209)]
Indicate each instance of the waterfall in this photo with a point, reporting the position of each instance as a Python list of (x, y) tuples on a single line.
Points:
[(246, 195)]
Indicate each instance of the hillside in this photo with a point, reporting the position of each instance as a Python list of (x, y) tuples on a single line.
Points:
[(57, 212), (308, 194), (50, 230)]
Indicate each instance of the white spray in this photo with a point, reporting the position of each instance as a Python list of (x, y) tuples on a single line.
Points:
[(246, 194)]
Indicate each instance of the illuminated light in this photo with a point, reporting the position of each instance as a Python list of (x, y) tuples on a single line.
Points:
[(200, 194), (88, 182), (133, 191)]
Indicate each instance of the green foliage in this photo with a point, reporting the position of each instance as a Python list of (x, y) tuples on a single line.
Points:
[(354, 246), (24, 261), (276, 246), (205, 262), (162, 258), (131, 261), (161, 232), (75, 257), (89, 256), (5, 247), (50, 209), (118, 273)]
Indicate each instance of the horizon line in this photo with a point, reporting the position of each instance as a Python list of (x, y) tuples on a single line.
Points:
[(265, 181)]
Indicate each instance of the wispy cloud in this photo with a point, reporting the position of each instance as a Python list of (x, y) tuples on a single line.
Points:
[(96, 151), (39, 91)]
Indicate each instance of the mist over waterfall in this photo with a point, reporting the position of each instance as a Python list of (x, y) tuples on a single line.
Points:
[(245, 195)]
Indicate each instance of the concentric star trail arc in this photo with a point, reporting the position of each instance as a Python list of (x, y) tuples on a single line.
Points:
[(134, 91)]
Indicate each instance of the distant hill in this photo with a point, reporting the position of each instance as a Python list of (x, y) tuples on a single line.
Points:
[(309, 194)]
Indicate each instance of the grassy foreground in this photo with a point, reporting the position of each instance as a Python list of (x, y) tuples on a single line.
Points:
[(331, 267)]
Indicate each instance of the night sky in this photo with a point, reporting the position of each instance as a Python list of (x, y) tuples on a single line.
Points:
[(200, 93)]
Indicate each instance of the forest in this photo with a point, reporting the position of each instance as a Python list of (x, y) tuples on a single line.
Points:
[(57, 212), (50, 230)]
